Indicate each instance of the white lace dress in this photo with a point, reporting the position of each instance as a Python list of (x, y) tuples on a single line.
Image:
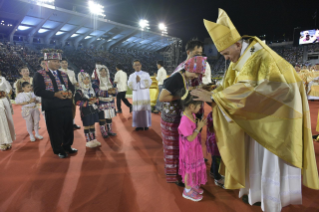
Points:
[(7, 133)]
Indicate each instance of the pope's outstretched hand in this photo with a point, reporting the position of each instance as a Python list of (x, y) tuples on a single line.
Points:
[(202, 95)]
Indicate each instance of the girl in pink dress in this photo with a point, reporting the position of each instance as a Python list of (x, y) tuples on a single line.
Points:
[(192, 166)]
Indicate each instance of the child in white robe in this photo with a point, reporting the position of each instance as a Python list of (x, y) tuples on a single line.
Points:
[(7, 132), (30, 112)]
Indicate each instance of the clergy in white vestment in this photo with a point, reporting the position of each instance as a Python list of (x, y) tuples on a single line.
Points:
[(139, 82), (261, 121)]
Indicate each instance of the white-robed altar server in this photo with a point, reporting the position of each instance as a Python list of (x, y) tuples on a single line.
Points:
[(140, 82), (6, 122)]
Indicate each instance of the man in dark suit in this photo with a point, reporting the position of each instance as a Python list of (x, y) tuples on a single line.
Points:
[(56, 91)]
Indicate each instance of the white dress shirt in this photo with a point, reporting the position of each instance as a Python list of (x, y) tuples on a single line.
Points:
[(70, 74), (121, 81), (207, 78), (161, 75)]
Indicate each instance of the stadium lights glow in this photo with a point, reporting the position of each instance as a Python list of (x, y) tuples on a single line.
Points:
[(96, 9), (144, 24), (87, 37), (59, 33), (42, 30), (45, 1), (74, 35), (163, 28), (23, 28)]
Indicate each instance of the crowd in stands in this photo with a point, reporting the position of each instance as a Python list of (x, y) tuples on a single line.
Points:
[(313, 48), (293, 55), (14, 56), (10, 61)]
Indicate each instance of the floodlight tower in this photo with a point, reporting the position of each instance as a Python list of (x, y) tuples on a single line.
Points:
[(163, 28), (96, 9), (144, 24)]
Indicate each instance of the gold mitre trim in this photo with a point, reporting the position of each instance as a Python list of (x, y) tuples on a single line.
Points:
[(223, 32)]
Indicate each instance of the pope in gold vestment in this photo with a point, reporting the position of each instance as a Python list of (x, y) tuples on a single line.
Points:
[(261, 106)]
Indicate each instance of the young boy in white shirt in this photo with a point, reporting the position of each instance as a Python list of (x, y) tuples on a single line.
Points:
[(30, 112)]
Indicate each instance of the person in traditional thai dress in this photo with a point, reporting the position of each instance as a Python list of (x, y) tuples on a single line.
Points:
[(29, 110), (86, 99), (173, 88), (56, 92), (261, 121), (195, 48), (139, 82), (105, 92)]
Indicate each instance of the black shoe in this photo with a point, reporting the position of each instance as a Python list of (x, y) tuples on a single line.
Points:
[(76, 127), (71, 150), (315, 136), (145, 128), (206, 160), (138, 128), (156, 111), (180, 184), (245, 200), (62, 155), (111, 133)]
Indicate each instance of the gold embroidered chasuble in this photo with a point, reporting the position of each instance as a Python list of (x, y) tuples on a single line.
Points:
[(263, 96)]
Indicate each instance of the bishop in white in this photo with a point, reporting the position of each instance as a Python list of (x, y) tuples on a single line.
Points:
[(139, 82)]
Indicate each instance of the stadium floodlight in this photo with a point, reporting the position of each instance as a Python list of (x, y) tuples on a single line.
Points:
[(162, 27), (96, 9), (45, 1), (144, 24), (23, 28)]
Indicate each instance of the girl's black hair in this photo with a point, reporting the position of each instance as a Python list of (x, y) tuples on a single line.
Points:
[(190, 100)]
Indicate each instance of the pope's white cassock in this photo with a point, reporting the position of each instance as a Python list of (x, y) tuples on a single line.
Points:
[(141, 99)]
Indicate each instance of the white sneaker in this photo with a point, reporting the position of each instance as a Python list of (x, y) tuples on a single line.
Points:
[(91, 144), (32, 138), (97, 143), (3, 147), (39, 137)]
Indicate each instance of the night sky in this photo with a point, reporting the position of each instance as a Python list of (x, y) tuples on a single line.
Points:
[(184, 18)]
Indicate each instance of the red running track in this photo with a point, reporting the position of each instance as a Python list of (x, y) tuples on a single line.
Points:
[(126, 174)]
